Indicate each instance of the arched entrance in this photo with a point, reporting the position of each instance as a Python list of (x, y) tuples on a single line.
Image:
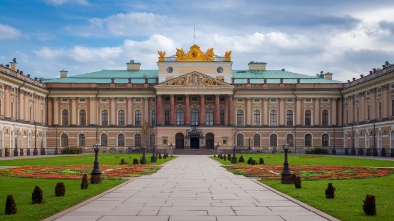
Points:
[(209, 141), (179, 141)]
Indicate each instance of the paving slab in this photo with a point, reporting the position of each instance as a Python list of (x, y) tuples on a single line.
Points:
[(192, 188)]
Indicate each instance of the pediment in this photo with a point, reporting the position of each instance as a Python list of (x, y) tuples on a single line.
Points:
[(194, 79)]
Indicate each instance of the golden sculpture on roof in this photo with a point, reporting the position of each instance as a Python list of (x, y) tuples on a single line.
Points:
[(195, 54), (162, 54), (227, 56)]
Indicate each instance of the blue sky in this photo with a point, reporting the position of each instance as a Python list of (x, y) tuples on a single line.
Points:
[(347, 38)]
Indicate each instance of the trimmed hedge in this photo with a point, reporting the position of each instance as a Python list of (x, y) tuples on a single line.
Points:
[(72, 150)]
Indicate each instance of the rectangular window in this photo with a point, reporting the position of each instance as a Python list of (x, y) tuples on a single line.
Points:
[(221, 117), (153, 100), (104, 100), (289, 100), (324, 100), (308, 100), (209, 99), (64, 100), (195, 99), (221, 99), (273, 100), (224, 141), (167, 99), (240, 100), (137, 100), (121, 100), (256, 100), (82, 100), (179, 99), (165, 140)]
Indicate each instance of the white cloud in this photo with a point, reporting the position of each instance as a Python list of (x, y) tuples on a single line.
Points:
[(61, 2), (8, 32)]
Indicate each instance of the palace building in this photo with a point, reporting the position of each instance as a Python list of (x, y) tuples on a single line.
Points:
[(196, 103)]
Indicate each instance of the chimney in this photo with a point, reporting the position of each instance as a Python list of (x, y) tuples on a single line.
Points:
[(13, 64), (328, 76), (257, 66), (63, 74), (132, 66)]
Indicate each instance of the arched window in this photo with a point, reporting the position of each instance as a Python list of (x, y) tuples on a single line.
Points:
[(256, 140), (137, 118), (65, 117), (221, 117), (194, 120), (82, 118), (368, 112), (167, 117), (104, 118), (104, 140), (180, 117), (81, 139), (289, 118), (152, 140), (137, 140), (308, 140), (121, 118), (209, 117), (324, 140), (380, 110), (240, 140), (324, 118), (357, 114), (64, 140), (290, 139), (153, 121), (256, 118), (240, 118), (273, 140), (121, 140), (273, 118), (307, 118)]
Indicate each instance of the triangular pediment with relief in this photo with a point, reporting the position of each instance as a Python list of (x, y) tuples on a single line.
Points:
[(194, 79)]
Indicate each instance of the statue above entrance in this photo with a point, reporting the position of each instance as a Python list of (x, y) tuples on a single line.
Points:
[(195, 79), (194, 54)]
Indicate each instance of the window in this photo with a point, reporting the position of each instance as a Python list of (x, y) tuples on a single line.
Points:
[(368, 112), (256, 140), (240, 118), (209, 117), (392, 107), (308, 140), (104, 139), (153, 100), (121, 118), (273, 118), (290, 139), (256, 100), (289, 100), (180, 117), (65, 117), (357, 114), (240, 140), (152, 139), (137, 140), (273, 100), (289, 118), (64, 100), (179, 99), (324, 118), (137, 100), (380, 110), (104, 100), (165, 140), (256, 118), (221, 117), (167, 117), (121, 140), (221, 99), (137, 118), (121, 100), (324, 140), (64, 140), (308, 100), (167, 99), (104, 118), (209, 99), (82, 118), (273, 140), (195, 99), (194, 120), (82, 100), (307, 118), (153, 121), (324, 100), (240, 100), (347, 117), (81, 139)]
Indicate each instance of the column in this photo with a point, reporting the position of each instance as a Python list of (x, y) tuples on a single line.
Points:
[(187, 109), (372, 105), (265, 112), (92, 111), (334, 111), (146, 110), (385, 101), (112, 113), (249, 112), (73, 111), (230, 110), (317, 112), (202, 110), (27, 107), (172, 110), (158, 110), (21, 108), (282, 112), (361, 105), (129, 112), (216, 119), (7, 101), (50, 112), (55, 111), (298, 112)]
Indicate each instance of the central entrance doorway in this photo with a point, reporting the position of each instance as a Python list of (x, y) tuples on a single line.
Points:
[(194, 143)]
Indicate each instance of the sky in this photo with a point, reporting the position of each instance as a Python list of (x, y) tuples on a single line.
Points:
[(346, 38)]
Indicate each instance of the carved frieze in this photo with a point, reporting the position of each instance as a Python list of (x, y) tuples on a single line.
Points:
[(194, 79)]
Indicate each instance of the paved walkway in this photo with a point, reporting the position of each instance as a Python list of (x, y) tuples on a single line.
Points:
[(193, 188)]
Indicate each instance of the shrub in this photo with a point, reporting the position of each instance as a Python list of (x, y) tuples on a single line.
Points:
[(10, 205), (317, 151), (292, 178), (36, 196), (368, 152), (353, 151), (85, 182), (375, 151), (241, 159), (214, 155), (220, 156), (229, 156), (135, 161), (160, 157), (224, 157), (297, 182), (383, 152), (60, 189), (121, 161), (254, 162), (7, 152), (250, 160), (72, 150), (330, 191), (369, 206), (261, 161), (334, 151)]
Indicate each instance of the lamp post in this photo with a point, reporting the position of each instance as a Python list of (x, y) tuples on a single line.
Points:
[(143, 159), (234, 158), (286, 174), (95, 177)]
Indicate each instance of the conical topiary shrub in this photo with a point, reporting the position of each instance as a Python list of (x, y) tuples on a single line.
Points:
[(135, 161), (250, 160), (241, 159), (10, 205), (160, 157), (297, 182), (369, 206), (224, 157), (229, 156), (36, 196), (330, 191), (261, 161), (85, 182), (60, 189), (121, 161)]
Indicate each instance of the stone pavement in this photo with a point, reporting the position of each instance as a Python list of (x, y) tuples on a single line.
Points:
[(192, 188)]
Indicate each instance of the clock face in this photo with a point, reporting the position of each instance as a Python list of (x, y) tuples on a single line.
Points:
[(194, 54)]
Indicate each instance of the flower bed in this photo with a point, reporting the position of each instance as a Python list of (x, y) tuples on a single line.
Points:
[(75, 172), (310, 172)]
